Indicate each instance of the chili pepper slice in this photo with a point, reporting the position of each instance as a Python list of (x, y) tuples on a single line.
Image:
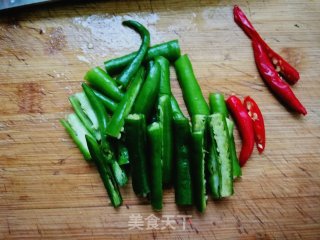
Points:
[(85, 113), (105, 172), (182, 169), (148, 94), (290, 74), (192, 95), (170, 50), (218, 105), (176, 110), (77, 132), (108, 103), (165, 120), (135, 129), (102, 118), (245, 127), (131, 69), (124, 107), (155, 160), (198, 143), (258, 122), (165, 87), (280, 88), (218, 132), (100, 80)]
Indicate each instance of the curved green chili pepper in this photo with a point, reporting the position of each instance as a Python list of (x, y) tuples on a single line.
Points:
[(100, 80), (192, 95), (131, 69), (169, 50), (155, 155), (124, 107), (165, 87), (165, 119), (147, 97), (105, 172)]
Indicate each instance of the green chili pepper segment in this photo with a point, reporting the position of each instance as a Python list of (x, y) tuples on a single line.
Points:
[(170, 50), (176, 110), (108, 103), (218, 105), (124, 107), (165, 119), (219, 132), (182, 169), (127, 74), (101, 81), (85, 113), (105, 172), (77, 132), (165, 87), (198, 143), (135, 128), (192, 94), (119, 174), (237, 172), (148, 94), (155, 160)]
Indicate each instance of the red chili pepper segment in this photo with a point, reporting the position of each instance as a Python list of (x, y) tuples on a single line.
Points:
[(274, 81), (290, 74), (258, 122), (245, 127)]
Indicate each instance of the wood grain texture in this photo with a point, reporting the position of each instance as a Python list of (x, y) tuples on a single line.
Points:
[(48, 191)]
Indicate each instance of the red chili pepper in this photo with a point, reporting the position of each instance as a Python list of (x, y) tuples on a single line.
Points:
[(258, 123), (274, 81), (290, 74), (245, 127)]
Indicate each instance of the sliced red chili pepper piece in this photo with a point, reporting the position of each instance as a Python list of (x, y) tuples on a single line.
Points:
[(274, 81), (245, 127), (290, 74), (258, 122)]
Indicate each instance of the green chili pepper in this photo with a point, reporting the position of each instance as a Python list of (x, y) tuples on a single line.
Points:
[(155, 155), (124, 107), (119, 173), (233, 154), (105, 172), (165, 87), (198, 140), (77, 131), (108, 103), (219, 133), (165, 118), (102, 117), (182, 183), (132, 68), (147, 97), (169, 50), (101, 81), (85, 113), (218, 105), (191, 91), (135, 129), (176, 111)]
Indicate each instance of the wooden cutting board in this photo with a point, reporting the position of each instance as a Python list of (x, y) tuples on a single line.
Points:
[(48, 191)]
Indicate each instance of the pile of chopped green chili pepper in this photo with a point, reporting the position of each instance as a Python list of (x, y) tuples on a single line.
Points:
[(127, 122)]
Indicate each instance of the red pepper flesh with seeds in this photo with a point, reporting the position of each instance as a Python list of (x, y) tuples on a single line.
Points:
[(245, 126), (258, 122), (279, 87), (290, 74)]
